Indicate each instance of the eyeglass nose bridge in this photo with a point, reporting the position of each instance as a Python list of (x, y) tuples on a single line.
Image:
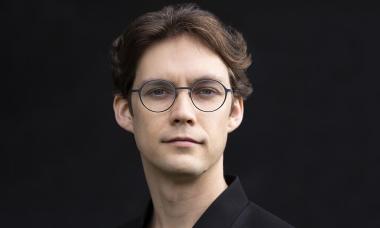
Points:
[(176, 94), (179, 88)]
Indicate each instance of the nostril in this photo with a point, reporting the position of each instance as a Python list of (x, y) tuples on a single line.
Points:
[(179, 121)]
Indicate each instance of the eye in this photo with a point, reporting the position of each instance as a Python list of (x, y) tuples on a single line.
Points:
[(158, 92), (206, 91)]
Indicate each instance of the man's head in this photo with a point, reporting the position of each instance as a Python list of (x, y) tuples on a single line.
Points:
[(182, 45)]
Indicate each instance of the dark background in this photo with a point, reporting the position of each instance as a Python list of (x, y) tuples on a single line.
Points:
[(308, 148)]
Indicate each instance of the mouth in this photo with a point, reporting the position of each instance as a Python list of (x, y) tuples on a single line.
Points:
[(182, 141)]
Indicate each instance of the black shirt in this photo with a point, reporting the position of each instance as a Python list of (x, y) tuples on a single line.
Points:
[(231, 209)]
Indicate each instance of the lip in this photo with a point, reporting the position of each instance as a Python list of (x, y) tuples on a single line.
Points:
[(182, 141)]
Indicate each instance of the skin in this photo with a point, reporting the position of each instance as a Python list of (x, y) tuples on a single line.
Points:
[(183, 178)]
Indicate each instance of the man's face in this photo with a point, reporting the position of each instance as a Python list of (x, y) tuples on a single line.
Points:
[(162, 138)]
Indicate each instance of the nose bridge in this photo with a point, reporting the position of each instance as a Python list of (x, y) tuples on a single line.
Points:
[(182, 110), (187, 95), (183, 88)]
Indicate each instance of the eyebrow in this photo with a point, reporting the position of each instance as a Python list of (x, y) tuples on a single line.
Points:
[(195, 79), (205, 77)]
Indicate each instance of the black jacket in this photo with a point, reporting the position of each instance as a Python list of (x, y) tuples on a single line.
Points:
[(231, 209)]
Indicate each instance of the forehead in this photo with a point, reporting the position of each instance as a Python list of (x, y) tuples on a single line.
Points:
[(182, 59)]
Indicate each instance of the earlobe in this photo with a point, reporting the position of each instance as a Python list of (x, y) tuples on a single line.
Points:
[(236, 114), (122, 113)]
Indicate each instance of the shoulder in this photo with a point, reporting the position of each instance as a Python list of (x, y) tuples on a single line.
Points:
[(255, 216)]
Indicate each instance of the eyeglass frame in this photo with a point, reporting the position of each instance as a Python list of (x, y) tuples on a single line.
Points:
[(190, 88)]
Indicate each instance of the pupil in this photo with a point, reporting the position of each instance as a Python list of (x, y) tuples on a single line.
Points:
[(158, 91)]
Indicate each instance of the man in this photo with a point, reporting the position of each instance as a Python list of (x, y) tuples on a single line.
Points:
[(180, 81)]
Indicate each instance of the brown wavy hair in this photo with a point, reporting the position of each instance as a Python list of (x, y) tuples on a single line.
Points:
[(171, 21)]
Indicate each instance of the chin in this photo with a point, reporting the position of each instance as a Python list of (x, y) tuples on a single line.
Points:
[(184, 168)]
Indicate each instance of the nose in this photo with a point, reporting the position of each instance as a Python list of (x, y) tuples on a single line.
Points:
[(182, 110)]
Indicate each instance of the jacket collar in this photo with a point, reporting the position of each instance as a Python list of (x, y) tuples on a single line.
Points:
[(221, 213), (226, 208)]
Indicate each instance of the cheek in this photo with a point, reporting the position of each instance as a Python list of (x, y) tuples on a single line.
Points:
[(141, 124), (217, 131), (221, 118), (147, 130), (147, 139)]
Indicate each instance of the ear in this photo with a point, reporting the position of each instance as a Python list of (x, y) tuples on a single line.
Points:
[(236, 114), (122, 113)]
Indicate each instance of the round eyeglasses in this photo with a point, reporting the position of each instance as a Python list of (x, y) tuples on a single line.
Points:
[(159, 95)]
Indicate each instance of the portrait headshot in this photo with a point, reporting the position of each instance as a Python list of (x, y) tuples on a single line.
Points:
[(180, 85), (175, 113)]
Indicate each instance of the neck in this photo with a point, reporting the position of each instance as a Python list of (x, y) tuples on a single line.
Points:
[(179, 201)]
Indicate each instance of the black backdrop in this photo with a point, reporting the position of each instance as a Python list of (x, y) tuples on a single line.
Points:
[(307, 149)]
